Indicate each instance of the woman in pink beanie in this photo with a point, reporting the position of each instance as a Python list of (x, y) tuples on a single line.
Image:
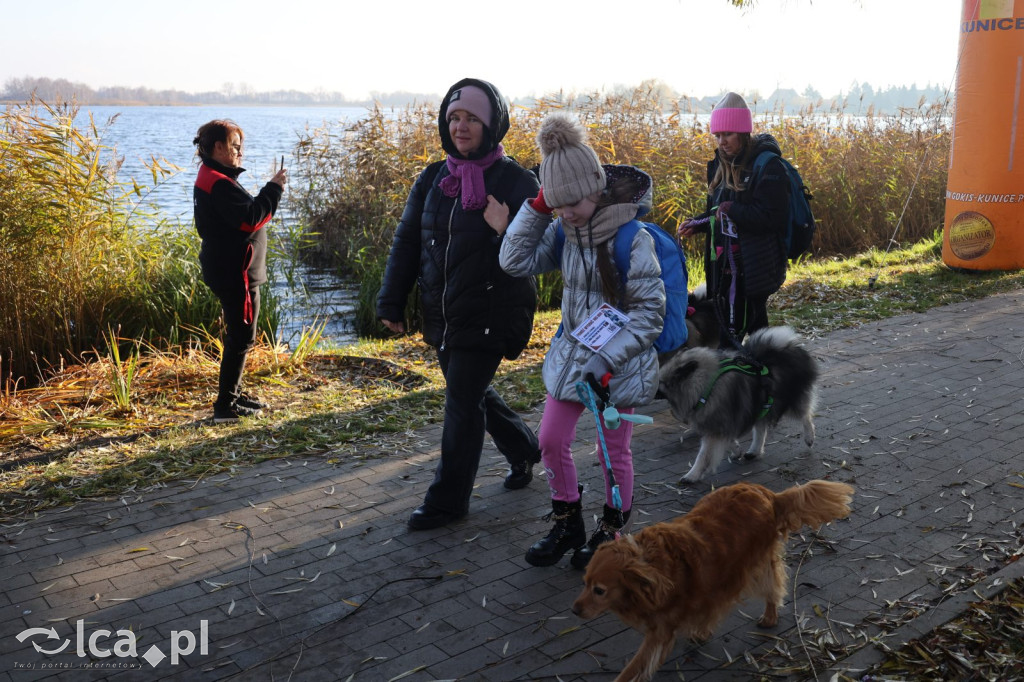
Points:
[(745, 222)]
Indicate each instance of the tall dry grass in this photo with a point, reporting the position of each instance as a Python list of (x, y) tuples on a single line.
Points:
[(80, 253), (866, 172), (64, 247)]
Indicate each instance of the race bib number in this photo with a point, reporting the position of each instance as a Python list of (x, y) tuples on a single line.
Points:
[(600, 327)]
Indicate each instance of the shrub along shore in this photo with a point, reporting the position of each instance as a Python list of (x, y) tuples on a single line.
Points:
[(869, 174), (83, 264)]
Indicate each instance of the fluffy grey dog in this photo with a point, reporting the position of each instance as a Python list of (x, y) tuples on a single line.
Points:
[(724, 394)]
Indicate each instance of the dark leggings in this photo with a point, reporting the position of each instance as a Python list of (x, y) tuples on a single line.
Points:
[(239, 338)]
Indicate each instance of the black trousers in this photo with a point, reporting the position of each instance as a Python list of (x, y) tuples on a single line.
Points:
[(471, 407), (239, 338), (738, 314), (741, 319)]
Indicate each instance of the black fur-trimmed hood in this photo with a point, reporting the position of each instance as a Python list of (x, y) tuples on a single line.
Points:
[(495, 129)]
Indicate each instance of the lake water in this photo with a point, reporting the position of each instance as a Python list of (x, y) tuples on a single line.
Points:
[(139, 133)]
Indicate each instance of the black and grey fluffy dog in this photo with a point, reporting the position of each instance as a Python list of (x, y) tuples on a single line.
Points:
[(724, 394)]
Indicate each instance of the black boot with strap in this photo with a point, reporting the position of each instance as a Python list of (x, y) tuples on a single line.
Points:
[(608, 528), (567, 533)]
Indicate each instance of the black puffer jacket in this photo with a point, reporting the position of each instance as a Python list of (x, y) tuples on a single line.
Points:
[(468, 300), (761, 213)]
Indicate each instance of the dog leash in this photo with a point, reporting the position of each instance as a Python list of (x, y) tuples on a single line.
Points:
[(613, 419), (728, 232)]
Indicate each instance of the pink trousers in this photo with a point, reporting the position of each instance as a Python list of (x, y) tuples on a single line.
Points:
[(557, 434)]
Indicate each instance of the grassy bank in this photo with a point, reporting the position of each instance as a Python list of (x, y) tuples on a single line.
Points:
[(86, 260)]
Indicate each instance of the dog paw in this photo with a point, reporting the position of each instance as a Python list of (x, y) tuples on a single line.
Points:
[(751, 455), (770, 617), (688, 480)]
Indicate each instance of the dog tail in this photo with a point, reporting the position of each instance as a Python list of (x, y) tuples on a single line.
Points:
[(812, 504)]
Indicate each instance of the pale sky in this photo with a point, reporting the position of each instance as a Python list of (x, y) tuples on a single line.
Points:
[(525, 47)]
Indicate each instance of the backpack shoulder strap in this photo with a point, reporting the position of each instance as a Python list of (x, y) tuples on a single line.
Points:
[(559, 240), (622, 247), (762, 160)]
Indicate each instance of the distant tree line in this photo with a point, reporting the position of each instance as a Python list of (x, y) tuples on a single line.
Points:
[(860, 98), (60, 89)]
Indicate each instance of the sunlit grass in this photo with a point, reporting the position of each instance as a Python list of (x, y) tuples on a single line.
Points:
[(121, 374), (828, 294)]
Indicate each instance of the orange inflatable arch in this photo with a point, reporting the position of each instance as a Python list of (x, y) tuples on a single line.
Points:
[(984, 221)]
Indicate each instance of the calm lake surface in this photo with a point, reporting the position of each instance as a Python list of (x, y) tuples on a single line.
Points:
[(139, 133)]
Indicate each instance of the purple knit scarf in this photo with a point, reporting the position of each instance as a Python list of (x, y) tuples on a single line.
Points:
[(467, 175)]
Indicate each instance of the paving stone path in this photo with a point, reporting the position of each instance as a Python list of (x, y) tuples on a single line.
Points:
[(303, 569)]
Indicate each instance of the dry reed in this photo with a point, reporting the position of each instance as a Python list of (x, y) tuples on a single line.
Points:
[(864, 170)]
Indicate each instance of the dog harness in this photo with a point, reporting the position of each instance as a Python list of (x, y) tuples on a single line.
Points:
[(748, 367)]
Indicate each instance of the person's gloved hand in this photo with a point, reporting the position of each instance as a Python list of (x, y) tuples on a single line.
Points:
[(597, 367), (538, 203), (594, 372), (688, 228), (723, 209)]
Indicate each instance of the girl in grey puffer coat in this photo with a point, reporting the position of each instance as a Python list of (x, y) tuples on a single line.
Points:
[(593, 201)]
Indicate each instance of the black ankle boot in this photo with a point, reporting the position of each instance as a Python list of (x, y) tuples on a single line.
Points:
[(607, 529), (568, 533), (520, 474)]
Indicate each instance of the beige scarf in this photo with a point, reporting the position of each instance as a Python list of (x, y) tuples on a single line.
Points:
[(603, 225)]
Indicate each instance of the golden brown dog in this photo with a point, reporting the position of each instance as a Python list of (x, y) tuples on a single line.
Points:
[(684, 576)]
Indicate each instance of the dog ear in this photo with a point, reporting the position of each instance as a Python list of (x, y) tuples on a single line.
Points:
[(683, 372), (648, 587)]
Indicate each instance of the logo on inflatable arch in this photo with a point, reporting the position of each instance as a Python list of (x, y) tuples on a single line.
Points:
[(971, 235)]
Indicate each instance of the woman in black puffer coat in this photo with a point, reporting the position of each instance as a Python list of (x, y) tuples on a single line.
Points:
[(474, 314), (745, 263)]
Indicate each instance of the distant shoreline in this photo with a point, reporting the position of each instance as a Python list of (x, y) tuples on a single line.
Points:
[(136, 103), (861, 97)]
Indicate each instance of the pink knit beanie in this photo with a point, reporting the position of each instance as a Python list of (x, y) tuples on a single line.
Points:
[(731, 115), (472, 99)]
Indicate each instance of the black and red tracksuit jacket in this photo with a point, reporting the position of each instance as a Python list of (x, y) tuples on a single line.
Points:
[(230, 222)]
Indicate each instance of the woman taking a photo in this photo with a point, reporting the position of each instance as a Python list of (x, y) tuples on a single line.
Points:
[(233, 227)]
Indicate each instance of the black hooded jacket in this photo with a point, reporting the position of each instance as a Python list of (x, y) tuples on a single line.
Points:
[(452, 254), (761, 214)]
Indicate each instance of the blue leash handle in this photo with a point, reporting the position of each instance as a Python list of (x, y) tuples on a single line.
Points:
[(586, 394)]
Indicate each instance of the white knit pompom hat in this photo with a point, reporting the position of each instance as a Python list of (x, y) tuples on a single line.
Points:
[(569, 169)]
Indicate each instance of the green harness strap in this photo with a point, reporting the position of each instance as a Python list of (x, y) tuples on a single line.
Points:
[(736, 365)]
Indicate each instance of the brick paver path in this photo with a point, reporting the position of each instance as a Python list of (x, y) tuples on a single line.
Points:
[(302, 569)]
